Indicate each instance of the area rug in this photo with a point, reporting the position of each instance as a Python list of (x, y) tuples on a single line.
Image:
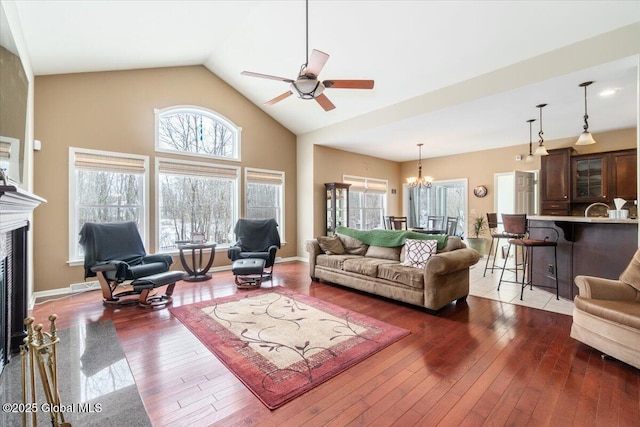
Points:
[(281, 343)]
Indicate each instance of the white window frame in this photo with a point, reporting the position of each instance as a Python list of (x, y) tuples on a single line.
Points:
[(73, 213), (282, 219), (236, 199), (365, 183), (237, 131)]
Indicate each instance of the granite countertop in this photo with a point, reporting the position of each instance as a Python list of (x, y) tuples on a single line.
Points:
[(582, 219)]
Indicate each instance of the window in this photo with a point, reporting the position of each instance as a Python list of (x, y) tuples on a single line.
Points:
[(105, 187), (197, 131), (264, 196), (367, 202), (195, 197), (443, 199)]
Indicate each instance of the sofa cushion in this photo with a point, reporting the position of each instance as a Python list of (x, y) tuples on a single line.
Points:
[(631, 275), (366, 266), (453, 243), (334, 261), (408, 276), (331, 245), (352, 246), (392, 254), (623, 312), (418, 252)]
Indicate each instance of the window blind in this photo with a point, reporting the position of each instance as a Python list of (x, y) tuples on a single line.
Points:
[(264, 177), (369, 185), (199, 170), (105, 162), (5, 150)]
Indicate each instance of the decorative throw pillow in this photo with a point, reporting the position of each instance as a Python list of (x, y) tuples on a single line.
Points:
[(331, 245), (417, 252), (352, 246)]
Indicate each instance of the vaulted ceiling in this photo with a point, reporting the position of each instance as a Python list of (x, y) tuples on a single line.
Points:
[(451, 74)]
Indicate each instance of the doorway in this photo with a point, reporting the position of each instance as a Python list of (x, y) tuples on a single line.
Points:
[(516, 192)]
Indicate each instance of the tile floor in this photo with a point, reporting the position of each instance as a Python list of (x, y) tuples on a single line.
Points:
[(487, 287)]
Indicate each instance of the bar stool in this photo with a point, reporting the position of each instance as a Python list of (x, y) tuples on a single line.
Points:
[(517, 224), (492, 220)]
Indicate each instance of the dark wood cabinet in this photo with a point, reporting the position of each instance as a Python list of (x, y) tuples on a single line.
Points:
[(623, 176), (555, 182), (601, 177), (590, 181), (337, 206), (566, 179)]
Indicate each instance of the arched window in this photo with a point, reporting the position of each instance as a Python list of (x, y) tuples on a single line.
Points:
[(197, 131)]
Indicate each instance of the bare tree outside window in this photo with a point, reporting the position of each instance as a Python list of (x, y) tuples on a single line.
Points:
[(197, 133), (104, 196), (195, 204)]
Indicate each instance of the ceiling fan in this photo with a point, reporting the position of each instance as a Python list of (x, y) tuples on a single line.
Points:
[(307, 85)]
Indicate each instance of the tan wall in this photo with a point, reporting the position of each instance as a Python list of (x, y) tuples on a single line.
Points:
[(480, 166), (114, 111), (331, 164)]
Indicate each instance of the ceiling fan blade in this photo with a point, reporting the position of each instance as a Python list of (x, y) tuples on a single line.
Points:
[(348, 84), (265, 76), (316, 62), (325, 103), (279, 98)]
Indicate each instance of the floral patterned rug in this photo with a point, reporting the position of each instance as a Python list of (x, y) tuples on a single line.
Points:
[(281, 343)]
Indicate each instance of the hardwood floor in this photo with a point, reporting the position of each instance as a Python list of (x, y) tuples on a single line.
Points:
[(481, 363)]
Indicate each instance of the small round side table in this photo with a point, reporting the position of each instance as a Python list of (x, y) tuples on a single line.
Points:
[(196, 272)]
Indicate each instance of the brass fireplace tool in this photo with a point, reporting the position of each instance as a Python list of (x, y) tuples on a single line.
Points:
[(39, 349)]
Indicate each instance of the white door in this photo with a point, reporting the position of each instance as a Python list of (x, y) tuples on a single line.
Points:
[(525, 192), (515, 192)]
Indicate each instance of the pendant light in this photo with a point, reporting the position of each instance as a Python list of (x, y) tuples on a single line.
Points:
[(529, 158), (585, 137), (541, 150), (420, 181)]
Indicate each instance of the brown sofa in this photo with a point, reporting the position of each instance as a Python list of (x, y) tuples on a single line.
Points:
[(378, 270), (606, 314)]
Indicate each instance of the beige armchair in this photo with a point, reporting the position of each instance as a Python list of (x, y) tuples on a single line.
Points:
[(606, 315)]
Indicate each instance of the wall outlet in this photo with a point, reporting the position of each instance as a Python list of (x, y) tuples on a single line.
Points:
[(551, 270)]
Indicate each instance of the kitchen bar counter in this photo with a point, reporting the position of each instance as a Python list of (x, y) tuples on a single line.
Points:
[(593, 246)]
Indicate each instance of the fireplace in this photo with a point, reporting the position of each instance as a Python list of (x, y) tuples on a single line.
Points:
[(16, 206)]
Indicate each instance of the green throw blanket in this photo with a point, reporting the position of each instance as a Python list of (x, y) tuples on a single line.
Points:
[(390, 238)]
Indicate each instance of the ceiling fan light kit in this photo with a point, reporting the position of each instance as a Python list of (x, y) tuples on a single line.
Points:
[(307, 85), (585, 137)]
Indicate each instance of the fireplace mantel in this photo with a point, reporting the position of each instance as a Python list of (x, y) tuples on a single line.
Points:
[(16, 205)]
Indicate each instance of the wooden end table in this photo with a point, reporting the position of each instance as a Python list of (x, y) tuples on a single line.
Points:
[(196, 272)]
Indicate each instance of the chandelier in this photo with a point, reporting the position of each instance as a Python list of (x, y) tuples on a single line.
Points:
[(420, 181)]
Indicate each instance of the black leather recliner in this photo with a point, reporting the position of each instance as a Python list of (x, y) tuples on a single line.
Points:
[(116, 251), (256, 239)]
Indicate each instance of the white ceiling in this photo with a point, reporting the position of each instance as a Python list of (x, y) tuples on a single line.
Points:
[(410, 48)]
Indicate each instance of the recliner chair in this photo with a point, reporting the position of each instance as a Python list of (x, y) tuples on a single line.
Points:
[(256, 239), (116, 251)]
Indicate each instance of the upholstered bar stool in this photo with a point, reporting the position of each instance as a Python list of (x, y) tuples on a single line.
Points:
[(492, 221), (517, 224)]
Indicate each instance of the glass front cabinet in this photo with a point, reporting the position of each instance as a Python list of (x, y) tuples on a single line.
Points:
[(590, 178), (337, 206)]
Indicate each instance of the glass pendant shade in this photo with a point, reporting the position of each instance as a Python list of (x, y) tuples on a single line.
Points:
[(586, 139), (541, 151), (529, 158)]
